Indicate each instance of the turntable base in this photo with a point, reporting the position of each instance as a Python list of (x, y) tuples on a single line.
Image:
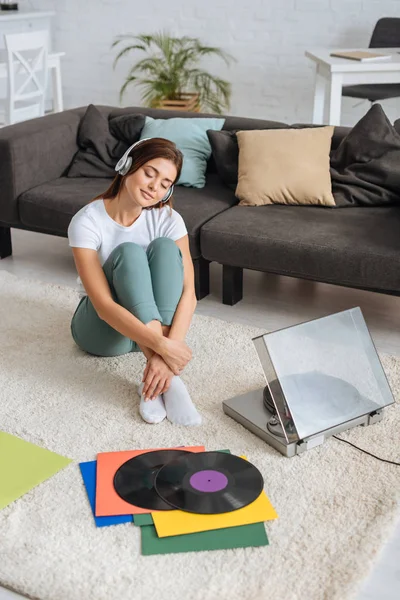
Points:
[(249, 410)]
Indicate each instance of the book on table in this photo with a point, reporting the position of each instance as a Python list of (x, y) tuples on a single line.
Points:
[(360, 55)]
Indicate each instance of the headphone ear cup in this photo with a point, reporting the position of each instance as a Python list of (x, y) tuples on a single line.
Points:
[(168, 194), (124, 163), (125, 168)]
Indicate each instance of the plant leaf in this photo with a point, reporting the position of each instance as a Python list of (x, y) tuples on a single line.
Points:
[(125, 51), (125, 85)]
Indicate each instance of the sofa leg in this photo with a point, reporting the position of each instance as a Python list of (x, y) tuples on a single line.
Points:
[(232, 284), (5, 242), (201, 277)]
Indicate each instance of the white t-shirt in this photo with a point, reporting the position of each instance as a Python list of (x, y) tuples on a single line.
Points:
[(92, 227)]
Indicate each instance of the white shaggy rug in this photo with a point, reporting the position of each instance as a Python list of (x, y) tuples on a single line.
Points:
[(336, 505)]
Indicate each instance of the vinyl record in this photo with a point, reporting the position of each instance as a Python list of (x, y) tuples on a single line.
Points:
[(134, 480), (209, 483)]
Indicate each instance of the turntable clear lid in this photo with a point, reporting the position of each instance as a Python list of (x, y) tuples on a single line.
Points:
[(323, 373)]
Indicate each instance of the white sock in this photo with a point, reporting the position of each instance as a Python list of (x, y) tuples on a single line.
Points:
[(179, 405), (152, 411)]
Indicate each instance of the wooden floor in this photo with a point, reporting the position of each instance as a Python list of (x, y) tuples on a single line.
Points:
[(270, 302)]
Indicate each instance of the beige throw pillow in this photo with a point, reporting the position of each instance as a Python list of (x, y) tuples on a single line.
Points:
[(285, 166)]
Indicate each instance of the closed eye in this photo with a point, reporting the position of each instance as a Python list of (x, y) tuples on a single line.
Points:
[(152, 174)]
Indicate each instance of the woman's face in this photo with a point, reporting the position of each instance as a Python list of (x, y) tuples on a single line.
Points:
[(150, 183)]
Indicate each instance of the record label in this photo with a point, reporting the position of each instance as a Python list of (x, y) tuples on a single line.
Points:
[(208, 481)]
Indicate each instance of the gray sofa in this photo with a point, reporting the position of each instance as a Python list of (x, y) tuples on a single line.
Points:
[(355, 247)]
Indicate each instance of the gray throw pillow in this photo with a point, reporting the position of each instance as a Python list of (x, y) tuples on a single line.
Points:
[(365, 166), (102, 142), (225, 151)]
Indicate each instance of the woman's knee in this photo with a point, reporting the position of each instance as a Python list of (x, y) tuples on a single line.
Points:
[(127, 255), (163, 244)]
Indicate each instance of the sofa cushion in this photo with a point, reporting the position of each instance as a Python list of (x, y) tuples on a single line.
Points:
[(102, 142), (357, 248), (51, 206), (190, 137), (285, 166), (365, 166)]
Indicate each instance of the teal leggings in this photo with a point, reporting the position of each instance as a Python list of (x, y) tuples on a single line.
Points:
[(147, 283)]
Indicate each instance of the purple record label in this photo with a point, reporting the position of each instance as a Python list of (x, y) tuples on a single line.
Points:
[(208, 481)]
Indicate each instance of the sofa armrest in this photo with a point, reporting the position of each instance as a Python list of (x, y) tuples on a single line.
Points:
[(34, 152)]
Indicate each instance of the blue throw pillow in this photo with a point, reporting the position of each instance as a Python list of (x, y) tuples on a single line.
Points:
[(190, 136)]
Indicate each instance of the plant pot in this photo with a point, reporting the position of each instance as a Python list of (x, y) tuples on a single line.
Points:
[(187, 102)]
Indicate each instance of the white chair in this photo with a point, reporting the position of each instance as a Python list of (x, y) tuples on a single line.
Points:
[(27, 75)]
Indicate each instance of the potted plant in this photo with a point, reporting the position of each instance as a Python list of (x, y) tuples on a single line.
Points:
[(170, 74)]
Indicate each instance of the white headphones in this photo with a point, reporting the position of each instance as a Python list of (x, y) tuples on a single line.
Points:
[(125, 163)]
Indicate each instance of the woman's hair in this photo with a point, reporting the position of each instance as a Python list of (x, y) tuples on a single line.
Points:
[(141, 154)]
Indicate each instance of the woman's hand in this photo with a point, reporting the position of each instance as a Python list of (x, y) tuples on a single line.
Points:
[(175, 353), (156, 377)]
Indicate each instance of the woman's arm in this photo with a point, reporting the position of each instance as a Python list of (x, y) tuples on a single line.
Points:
[(156, 373)]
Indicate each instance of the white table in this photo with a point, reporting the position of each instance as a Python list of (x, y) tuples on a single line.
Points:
[(337, 72), (54, 65)]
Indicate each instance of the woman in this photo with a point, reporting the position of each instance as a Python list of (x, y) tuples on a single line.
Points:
[(131, 251)]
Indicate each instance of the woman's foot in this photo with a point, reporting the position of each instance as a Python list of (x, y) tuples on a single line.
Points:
[(152, 411), (178, 404)]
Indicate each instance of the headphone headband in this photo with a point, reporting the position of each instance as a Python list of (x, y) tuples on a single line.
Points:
[(125, 162)]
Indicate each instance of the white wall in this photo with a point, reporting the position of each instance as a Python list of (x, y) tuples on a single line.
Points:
[(272, 78)]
